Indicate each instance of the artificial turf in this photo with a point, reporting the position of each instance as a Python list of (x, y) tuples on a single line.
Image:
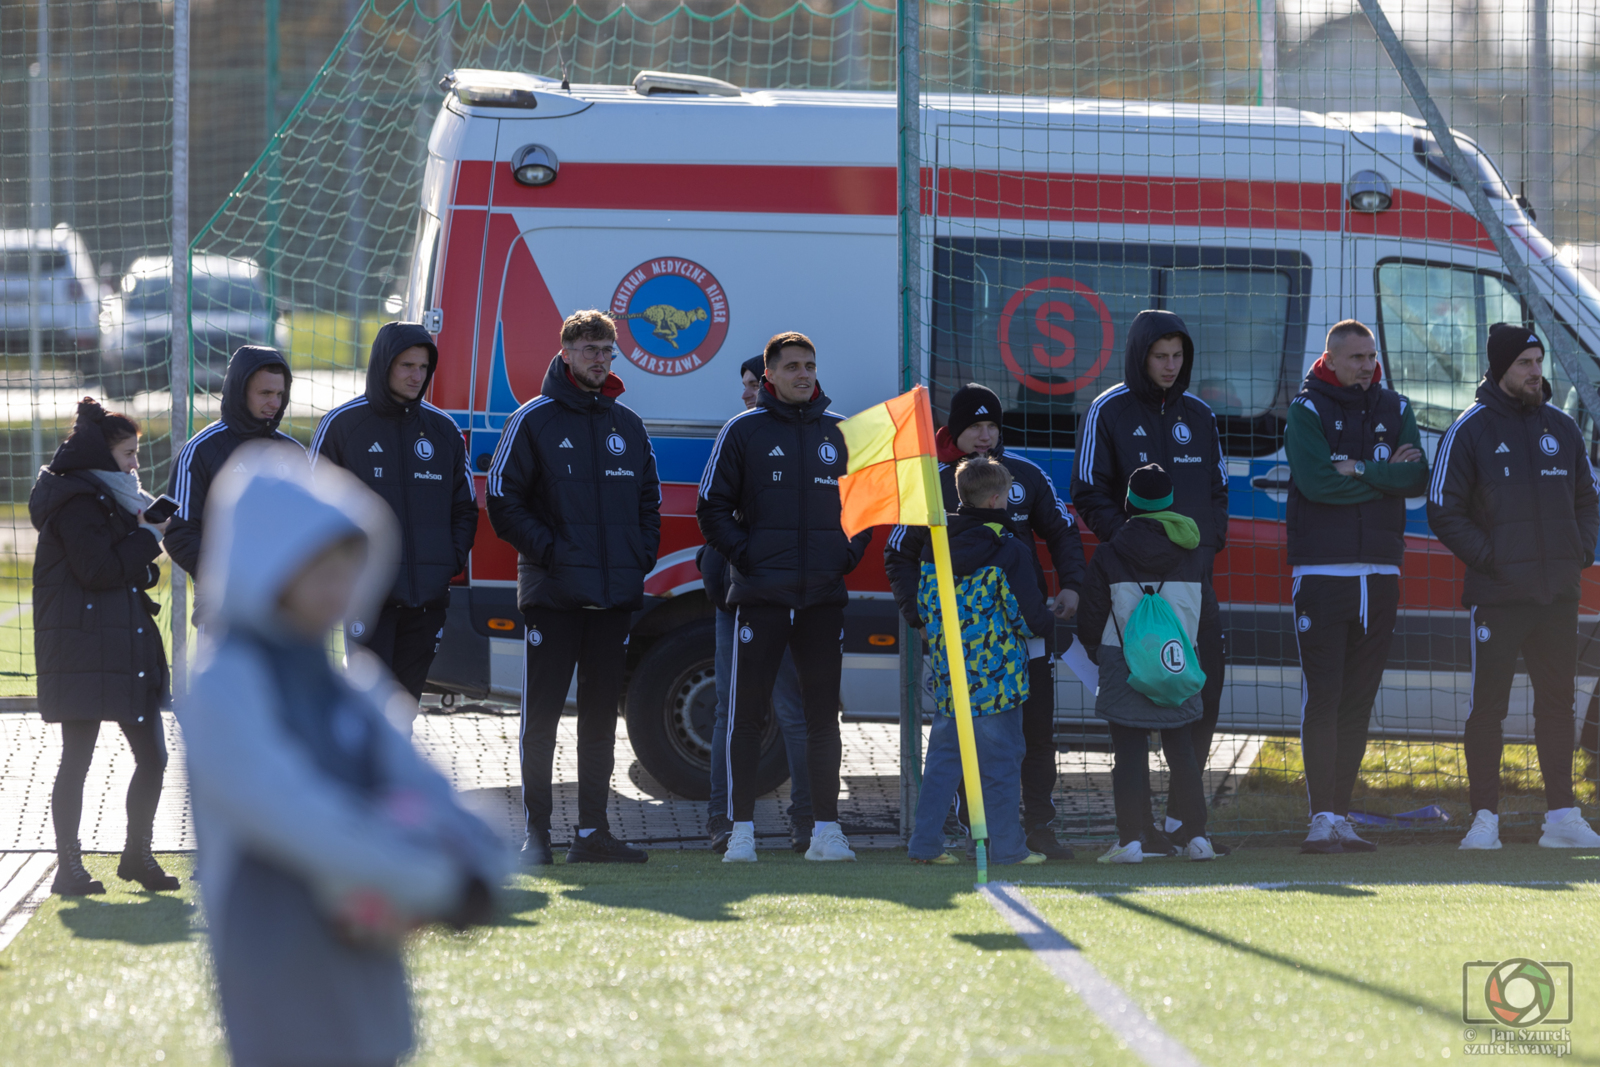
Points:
[(687, 961)]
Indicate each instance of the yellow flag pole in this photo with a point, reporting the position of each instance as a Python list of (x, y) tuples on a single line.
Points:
[(960, 696)]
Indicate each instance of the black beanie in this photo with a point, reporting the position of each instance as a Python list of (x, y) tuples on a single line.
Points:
[(1507, 341), (972, 403), (756, 365), (1151, 485)]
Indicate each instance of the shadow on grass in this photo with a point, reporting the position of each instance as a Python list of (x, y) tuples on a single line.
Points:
[(992, 942), (701, 889), (516, 902), (1365, 983), (149, 919)]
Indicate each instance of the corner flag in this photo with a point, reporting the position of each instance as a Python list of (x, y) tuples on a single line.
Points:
[(892, 477)]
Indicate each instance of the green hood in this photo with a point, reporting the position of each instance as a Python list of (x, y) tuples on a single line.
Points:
[(1181, 529)]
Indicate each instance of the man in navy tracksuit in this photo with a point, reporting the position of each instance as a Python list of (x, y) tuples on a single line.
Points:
[(573, 488), (1355, 455), (1514, 497), (1152, 418), (255, 395), (769, 503), (1032, 507), (411, 454)]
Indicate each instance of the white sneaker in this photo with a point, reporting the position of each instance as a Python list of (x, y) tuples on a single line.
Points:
[(829, 844), (1349, 840), (1485, 832), (1323, 840), (1568, 830), (1123, 854), (1199, 848), (741, 846)]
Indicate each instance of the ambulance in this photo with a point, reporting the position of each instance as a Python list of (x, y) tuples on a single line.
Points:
[(705, 219)]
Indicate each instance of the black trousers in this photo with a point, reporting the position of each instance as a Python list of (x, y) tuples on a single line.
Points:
[(1130, 781), (149, 743), (815, 637), (596, 643), (1546, 635), (1344, 626), (406, 639), (1039, 757)]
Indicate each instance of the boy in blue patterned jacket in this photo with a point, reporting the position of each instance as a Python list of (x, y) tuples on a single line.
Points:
[(1001, 609)]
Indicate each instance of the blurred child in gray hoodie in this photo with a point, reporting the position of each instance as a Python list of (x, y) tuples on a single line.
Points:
[(324, 838)]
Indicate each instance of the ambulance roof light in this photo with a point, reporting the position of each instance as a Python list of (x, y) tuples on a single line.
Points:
[(493, 88), (1369, 192), (651, 82)]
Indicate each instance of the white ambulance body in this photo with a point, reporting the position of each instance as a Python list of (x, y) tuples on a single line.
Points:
[(709, 219)]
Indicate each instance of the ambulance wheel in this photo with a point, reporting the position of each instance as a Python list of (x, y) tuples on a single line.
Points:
[(672, 707)]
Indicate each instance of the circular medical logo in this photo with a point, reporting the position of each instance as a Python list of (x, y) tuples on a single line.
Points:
[(616, 445), (424, 448), (1483, 633), (1181, 433), (827, 453), (358, 628), (1303, 623), (1016, 493), (671, 316), (1172, 656), (535, 637), (1055, 335), (745, 634), (1519, 992), (1549, 445), (1381, 453)]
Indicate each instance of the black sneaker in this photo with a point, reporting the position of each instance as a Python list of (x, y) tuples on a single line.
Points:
[(1154, 842), (601, 847), (720, 828), (1043, 840), (800, 835), (536, 849)]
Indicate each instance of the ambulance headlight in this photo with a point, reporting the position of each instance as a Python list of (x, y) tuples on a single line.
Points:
[(534, 164), (1369, 192)]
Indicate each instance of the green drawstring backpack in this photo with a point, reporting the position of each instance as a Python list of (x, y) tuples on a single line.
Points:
[(1161, 662)]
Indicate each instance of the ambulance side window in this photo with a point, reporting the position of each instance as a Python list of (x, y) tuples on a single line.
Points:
[(1044, 324), (424, 268), (1433, 329)]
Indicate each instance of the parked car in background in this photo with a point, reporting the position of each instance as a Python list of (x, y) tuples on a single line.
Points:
[(228, 308), (69, 302)]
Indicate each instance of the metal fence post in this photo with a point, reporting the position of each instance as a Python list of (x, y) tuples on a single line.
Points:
[(909, 82), (179, 359)]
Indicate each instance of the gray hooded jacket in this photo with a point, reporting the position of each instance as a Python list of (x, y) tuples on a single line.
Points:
[(299, 783)]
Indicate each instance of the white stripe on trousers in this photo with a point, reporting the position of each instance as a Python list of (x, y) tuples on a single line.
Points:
[(733, 694)]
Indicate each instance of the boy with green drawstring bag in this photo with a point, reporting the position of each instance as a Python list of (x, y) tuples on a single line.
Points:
[(1137, 620)]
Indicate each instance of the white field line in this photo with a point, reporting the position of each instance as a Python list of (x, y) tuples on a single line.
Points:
[(1172, 889), (13, 613), (23, 894), (1142, 1034)]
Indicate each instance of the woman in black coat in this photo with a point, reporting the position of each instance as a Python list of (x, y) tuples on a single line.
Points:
[(95, 640)]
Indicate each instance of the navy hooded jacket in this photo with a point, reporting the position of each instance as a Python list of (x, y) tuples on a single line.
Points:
[(203, 458), (573, 488), (413, 456), (1136, 423)]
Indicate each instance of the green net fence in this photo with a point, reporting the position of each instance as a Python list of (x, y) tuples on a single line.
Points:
[(1082, 160)]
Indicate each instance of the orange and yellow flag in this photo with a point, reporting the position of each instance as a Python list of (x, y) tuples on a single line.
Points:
[(892, 475)]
